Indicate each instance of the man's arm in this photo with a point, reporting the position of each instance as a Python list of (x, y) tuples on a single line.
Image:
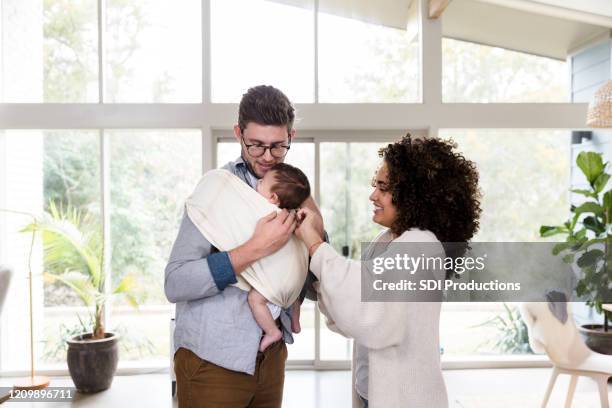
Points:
[(193, 272)]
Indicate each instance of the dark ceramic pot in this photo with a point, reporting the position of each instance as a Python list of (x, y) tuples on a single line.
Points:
[(596, 338), (92, 363)]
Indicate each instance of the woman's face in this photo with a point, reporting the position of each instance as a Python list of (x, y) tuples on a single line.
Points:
[(385, 212)]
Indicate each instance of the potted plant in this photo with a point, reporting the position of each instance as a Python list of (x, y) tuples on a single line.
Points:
[(588, 239), (73, 256)]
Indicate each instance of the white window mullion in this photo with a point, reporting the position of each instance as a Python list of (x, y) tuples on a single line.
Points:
[(317, 197), (105, 214), (206, 41), (431, 56), (101, 53), (316, 51)]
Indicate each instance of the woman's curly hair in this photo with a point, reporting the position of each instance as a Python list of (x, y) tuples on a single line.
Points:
[(433, 188)]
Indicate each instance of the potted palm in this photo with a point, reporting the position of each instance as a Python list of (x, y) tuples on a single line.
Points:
[(73, 256), (588, 239)]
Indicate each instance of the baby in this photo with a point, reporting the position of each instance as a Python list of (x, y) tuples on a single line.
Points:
[(287, 187)]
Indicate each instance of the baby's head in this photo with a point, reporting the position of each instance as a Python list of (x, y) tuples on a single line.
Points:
[(285, 186)]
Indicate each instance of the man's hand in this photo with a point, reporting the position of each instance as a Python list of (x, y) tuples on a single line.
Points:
[(271, 233)]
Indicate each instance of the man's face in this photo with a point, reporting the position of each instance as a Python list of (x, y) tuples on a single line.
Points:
[(266, 135)]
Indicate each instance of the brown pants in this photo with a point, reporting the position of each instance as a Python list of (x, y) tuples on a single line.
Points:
[(201, 384)]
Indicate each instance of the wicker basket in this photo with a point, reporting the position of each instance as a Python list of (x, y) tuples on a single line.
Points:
[(600, 109)]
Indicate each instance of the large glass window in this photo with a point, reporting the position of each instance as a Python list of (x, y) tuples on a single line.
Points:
[(267, 42), (367, 58), (524, 177), (152, 173), (347, 212), (48, 51), (483, 74), (153, 51), (54, 173)]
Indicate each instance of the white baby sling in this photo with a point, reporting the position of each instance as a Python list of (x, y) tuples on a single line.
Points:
[(225, 210)]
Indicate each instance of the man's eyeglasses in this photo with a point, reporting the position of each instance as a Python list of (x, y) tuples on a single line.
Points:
[(277, 150)]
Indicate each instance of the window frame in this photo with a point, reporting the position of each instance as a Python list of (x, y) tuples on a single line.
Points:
[(318, 122)]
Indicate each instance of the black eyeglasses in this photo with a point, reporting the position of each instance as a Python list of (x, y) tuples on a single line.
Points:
[(277, 150)]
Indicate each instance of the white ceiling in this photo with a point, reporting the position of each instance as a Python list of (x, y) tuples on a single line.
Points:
[(600, 7), (390, 13), (536, 33), (551, 28)]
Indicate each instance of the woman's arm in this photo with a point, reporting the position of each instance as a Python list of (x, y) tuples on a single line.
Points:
[(372, 324)]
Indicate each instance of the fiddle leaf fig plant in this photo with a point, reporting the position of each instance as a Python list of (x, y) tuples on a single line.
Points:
[(588, 235)]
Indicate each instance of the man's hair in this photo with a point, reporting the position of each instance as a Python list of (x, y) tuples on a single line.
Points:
[(265, 105), (291, 186)]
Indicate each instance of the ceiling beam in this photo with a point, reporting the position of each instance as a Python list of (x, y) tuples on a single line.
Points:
[(437, 7)]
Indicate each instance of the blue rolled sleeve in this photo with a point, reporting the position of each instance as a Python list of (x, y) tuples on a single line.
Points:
[(221, 269)]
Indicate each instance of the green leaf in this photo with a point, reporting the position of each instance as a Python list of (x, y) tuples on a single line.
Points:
[(126, 285), (591, 165), (560, 247), (587, 193), (568, 259), (580, 235), (586, 244), (549, 231), (590, 258), (589, 207), (80, 283), (601, 182), (593, 224)]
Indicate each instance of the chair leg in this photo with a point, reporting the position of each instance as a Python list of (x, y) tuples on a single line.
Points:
[(570, 391), (602, 384), (551, 385)]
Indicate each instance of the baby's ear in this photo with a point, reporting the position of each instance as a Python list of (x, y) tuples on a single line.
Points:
[(274, 199)]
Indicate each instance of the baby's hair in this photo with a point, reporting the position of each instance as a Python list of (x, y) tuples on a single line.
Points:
[(291, 186)]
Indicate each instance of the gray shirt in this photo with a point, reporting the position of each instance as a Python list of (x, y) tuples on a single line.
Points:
[(213, 319)]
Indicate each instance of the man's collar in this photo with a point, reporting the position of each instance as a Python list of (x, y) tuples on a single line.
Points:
[(240, 162)]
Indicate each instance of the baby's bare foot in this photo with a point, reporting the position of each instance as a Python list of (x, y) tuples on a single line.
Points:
[(268, 339)]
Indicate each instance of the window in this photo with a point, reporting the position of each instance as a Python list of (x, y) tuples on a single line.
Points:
[(361, 61), (347, 211), (154, 55), (152, 173), (482, 74), (267, 43), (153, 51), (42, 171), (524, 178), (49, 51)]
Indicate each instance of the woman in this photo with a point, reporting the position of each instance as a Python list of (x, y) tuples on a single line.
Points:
[(424, 192)]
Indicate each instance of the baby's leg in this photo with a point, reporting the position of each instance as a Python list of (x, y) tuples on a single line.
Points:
[(295, 317), (264, 319)]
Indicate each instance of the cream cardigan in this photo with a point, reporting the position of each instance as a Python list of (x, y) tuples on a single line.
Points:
[(402, 337)]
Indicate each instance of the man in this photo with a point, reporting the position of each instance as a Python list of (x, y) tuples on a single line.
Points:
[(216, 340)]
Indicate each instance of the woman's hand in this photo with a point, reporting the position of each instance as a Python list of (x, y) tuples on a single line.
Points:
[(310, 227)]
